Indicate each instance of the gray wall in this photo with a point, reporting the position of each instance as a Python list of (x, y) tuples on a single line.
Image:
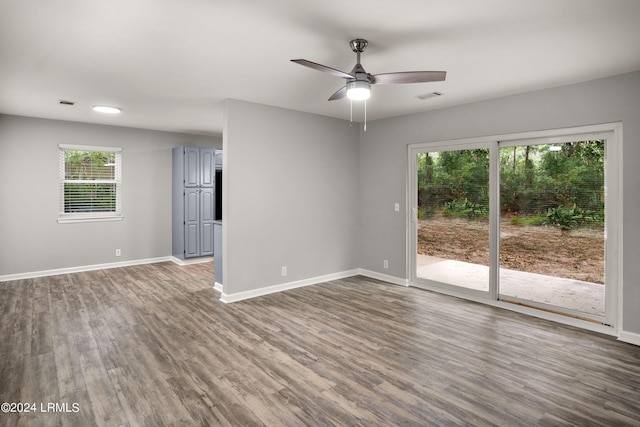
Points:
[(383, 161), (291, 197), (31, 240)]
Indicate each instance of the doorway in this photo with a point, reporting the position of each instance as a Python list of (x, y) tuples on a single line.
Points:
[(528, 219)]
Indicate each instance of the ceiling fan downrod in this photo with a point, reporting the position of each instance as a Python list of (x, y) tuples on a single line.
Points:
[(358, 46)]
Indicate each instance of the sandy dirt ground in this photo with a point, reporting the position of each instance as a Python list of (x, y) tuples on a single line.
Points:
[(574, 254)]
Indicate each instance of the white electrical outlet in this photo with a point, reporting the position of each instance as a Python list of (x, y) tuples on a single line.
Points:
[(284, 270), (397, 207), (118, 252), (385, 263)]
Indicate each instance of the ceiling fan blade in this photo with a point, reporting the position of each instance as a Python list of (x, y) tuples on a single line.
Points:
[(323, 68), (408, 77), (340, 93)]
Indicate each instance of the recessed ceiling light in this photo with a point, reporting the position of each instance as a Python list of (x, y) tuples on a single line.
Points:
[(106, 109)]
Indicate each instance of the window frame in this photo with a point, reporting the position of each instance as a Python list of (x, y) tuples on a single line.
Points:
[(73, 217)]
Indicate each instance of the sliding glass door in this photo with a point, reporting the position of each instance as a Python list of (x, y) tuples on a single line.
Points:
[(530, 219), (552, 221), (451, 217)]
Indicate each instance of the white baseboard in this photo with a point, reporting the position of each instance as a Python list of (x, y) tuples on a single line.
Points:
[(384, 277), (629, 337), (68, 270), (218, 287), (190, 261), (239, 296)]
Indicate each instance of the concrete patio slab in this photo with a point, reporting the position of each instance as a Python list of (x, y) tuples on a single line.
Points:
[(584, 297)]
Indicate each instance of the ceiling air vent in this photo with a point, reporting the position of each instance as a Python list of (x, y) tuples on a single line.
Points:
[(429, 95), (65, 102)]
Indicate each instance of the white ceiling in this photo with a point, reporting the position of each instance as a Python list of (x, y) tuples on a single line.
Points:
[(169, 64)]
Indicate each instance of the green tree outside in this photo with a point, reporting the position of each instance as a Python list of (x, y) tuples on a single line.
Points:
[(555, 184)]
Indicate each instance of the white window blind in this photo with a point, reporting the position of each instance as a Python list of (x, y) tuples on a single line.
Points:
[(90, 183)]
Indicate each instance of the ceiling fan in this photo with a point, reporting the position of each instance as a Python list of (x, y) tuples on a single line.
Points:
[(359, 82)]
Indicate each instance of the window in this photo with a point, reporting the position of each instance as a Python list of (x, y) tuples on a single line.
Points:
[(90, 183)]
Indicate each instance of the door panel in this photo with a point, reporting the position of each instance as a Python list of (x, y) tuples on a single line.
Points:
[(206, 204), (207, 167), (206, 238), (552, 240), (192, 203), (192, 221), (452, 218), (206, 220), (191, 244), (191, 167)]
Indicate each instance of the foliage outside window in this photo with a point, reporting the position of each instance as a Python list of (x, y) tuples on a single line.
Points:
[(560, 184), (90, 183)]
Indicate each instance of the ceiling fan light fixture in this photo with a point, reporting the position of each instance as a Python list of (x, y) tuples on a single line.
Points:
[(358, 90)]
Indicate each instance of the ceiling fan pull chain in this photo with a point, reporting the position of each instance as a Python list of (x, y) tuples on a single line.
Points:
[(365, 115), (351, 112)]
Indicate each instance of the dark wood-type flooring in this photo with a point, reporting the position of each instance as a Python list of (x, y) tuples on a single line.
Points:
[(152, 345)]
